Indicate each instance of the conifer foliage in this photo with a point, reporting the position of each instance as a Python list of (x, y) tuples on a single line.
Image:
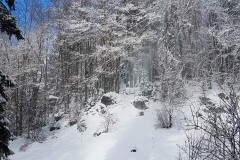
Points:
[(4, 132), (8, 22)]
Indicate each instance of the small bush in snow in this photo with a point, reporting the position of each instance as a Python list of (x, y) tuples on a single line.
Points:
[(41, 137), (108, 122), (164, 119), (24, 147), (58, 116), (218, 124), (81, 126)]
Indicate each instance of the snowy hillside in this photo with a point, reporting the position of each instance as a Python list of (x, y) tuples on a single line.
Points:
[(120, 80), (130, 136)]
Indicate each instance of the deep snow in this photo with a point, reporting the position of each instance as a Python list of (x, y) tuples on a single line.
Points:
[(130, 132)]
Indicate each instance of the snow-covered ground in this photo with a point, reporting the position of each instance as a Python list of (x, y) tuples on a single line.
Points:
[(129, 132)]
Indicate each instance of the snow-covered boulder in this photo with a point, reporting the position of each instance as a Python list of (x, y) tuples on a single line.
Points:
[(140, 105), (107, 100)]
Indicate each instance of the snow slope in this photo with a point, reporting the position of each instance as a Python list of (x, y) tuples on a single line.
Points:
[(130, 132)]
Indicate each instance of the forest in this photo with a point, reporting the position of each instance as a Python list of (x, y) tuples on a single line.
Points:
[(60, 58)]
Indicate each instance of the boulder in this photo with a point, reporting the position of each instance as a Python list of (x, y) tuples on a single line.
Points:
[(97, 134), (141, 113), (134, 150), (54, 128), (107, 100), (73, 122), (140, 105)]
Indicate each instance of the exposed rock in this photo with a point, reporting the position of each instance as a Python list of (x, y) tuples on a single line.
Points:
[(140, 105), (141, 113), (134, 150), (97, 134), (107, 100), (72, 122), (54, 128)]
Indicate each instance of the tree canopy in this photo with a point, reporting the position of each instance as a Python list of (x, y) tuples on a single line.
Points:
[(8, 22)]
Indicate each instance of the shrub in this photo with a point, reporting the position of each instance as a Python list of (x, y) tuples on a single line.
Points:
[(164, 119)]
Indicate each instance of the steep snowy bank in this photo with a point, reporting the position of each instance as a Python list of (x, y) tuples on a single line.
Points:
[(130, 136)]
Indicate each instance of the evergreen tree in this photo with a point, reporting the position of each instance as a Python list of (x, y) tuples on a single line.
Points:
[(8, 22), (4, 132)]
